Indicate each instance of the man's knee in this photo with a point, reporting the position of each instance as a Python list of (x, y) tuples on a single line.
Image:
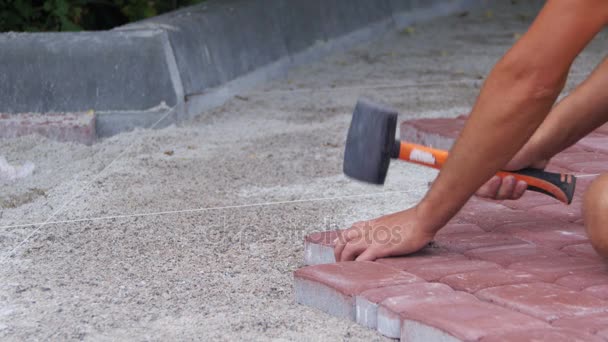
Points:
[(595, 213)]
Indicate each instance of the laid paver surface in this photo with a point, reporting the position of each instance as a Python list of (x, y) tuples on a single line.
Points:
[(502, 270)]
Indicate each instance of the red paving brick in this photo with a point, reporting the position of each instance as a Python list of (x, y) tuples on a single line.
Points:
[(574, 149), (551, 167), (567, 213), (545, 301), (462, 242), (603, 334), (367, 301), (76, 127), (582, 250), (583, 280), (566, 160), (378, 295), (599, 291), (319, 248), (596, 143), (436, 271), (462, 317), (389, 310), (551, 238), (477, 205), (545, 225), (589, 167), (551, 269), (351, 277), (491, 215), (492, 221), (549, 334), (509, 254), (478, 280), (554, 167), (589, 324), (602, 129), (331, 287), (429, 255), (460, 228), (529, 261), (529, 200)]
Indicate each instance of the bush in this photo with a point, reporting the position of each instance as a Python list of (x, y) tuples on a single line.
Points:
[(76, 15)]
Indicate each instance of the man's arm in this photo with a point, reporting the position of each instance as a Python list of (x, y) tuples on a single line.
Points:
[(514, 100), (582, 111), (577, 115)]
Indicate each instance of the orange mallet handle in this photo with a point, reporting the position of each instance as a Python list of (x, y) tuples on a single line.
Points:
[(556, 185)]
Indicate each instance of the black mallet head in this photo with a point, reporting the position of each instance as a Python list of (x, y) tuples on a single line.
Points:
[(370, 143)]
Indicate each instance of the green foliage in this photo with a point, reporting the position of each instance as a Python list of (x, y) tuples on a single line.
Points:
[(75, 15)]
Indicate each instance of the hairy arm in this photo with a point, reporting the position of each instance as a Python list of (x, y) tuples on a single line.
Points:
[(582, 111), (515, 99)]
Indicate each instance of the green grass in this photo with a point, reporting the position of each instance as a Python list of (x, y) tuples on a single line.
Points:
[(78, 15)]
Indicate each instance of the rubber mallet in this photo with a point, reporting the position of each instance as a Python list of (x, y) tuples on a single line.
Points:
[(371, 144)]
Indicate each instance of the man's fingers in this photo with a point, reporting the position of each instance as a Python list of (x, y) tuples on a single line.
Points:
[(352, 250), (506, 189), (490, 188), (343, 239), (520, 189), (368, 255), (339, 245), (352, 233)]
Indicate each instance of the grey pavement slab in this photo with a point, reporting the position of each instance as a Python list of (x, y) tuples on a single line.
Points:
[(217, 42), (60, 74)]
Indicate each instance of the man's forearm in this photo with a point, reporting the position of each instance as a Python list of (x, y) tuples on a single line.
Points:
[(504, 118), (516, 97), (585, 109)]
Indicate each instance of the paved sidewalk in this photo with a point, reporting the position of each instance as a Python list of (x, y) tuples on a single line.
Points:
[(499, 271)]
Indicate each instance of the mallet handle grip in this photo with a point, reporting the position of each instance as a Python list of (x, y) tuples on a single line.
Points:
[(558, 186)]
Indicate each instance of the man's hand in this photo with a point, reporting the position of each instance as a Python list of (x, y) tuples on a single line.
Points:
[(509, 188), (396, 234)]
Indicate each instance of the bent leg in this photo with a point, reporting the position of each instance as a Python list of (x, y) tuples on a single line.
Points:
[(595, 213)]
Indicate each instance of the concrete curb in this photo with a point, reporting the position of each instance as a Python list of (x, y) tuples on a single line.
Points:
[(79, 72), (173, 67)]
